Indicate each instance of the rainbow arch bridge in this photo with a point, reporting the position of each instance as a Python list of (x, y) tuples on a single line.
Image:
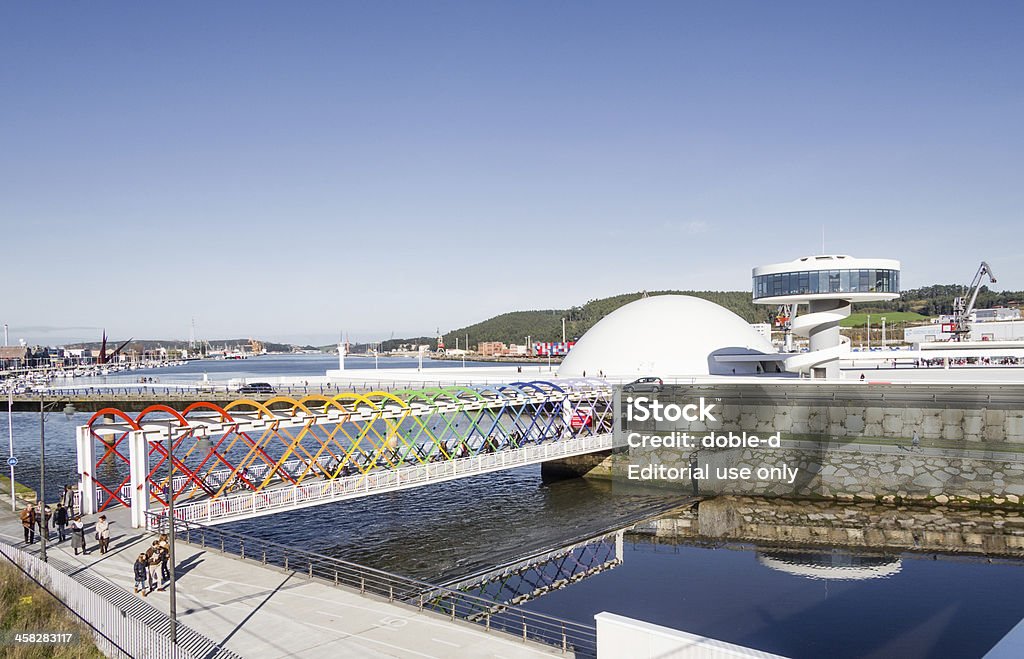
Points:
[(250, 458)]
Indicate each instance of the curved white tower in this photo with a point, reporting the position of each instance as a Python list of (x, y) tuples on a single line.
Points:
[(828, 284)]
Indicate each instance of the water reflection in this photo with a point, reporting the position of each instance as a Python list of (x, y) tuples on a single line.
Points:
[(877, 527), (450, 531), (830, 565), (543, 572), (810, 578)]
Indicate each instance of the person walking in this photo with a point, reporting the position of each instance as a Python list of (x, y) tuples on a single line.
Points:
[(153, 564), (165, 554), (103, 533), (28, 520), (60, 520), (140, 574), (43, 517), (78, 535), (69, 500)]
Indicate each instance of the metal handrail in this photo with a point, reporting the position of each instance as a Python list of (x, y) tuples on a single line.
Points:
[(567, 635), (280, 498)]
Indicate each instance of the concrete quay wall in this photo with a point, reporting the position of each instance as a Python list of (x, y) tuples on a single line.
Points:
[(842, 420), (849, 472), (846, 443)]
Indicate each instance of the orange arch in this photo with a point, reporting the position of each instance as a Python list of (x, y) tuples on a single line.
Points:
[(162, 408), (113, 411), (287, 399), (326, 400), (260, 407), (211, 406)]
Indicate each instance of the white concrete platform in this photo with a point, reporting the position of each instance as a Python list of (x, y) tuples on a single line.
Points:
[(264, 612)]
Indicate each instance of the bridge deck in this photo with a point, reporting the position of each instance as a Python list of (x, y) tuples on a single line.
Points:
[(282, 497)]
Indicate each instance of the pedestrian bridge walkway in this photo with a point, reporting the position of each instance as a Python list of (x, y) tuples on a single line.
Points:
[(251, 458)]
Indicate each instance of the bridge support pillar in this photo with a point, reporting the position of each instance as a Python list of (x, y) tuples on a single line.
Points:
[(139, 468), (597, 464), (86, 462)]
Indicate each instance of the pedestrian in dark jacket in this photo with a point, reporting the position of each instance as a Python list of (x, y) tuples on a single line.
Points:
[(140, 574), (60, 521), (165, 554)]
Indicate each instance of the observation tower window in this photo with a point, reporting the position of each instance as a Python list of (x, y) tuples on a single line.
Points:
[(818, 282)]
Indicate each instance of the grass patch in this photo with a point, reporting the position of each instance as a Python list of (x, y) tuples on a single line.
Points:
[(20, 491), (26, 607), (891, 318)]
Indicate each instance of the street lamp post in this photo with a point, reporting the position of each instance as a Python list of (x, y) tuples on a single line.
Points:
[(10, 438), (10, 429), (69, 411), (41, 499), (170, 532)]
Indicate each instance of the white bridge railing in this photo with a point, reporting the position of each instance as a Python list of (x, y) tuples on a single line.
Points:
[(216, 478), (275, 499), (121, 626)]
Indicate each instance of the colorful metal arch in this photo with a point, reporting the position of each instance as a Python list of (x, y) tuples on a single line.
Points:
[(256, 446)]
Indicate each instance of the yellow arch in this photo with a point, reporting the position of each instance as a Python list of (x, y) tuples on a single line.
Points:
[(287, 399), (260, 407), (326, 400), (388, 396), (358, 398)]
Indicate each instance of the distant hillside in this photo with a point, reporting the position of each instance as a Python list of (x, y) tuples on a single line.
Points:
[(938, 299), (546, 325)]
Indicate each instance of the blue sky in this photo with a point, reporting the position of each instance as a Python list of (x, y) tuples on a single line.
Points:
[(285, 170)]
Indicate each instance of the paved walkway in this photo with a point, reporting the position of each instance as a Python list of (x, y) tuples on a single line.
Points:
[(260, 611)]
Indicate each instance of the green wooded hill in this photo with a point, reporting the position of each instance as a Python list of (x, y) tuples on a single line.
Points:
[(546, 325), (938, 299)]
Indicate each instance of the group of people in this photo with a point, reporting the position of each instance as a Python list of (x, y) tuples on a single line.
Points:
[(151, 567), (62, 518), (151, 570)]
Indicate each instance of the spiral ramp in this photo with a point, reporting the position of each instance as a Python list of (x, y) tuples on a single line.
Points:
[(811, 324)]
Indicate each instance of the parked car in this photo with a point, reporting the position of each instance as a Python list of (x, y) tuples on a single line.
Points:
[(651, 384), (257, 388), (582, 417)]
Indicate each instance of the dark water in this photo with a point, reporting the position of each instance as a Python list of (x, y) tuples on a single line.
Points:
[(60, 449), (451, 529), (933, 606)]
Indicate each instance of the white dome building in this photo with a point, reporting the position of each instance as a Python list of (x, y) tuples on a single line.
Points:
[(668, 336)]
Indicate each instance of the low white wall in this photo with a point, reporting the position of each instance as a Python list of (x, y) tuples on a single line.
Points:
[(619, 637)]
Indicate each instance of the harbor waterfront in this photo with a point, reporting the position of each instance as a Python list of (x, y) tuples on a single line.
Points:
[(695, 568), (461, 330)]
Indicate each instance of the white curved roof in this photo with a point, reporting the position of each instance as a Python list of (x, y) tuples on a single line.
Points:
[(663, 335), (866, 569), (826, 262)]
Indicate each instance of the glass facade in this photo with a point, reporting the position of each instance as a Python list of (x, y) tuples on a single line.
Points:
[(827, 281)]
